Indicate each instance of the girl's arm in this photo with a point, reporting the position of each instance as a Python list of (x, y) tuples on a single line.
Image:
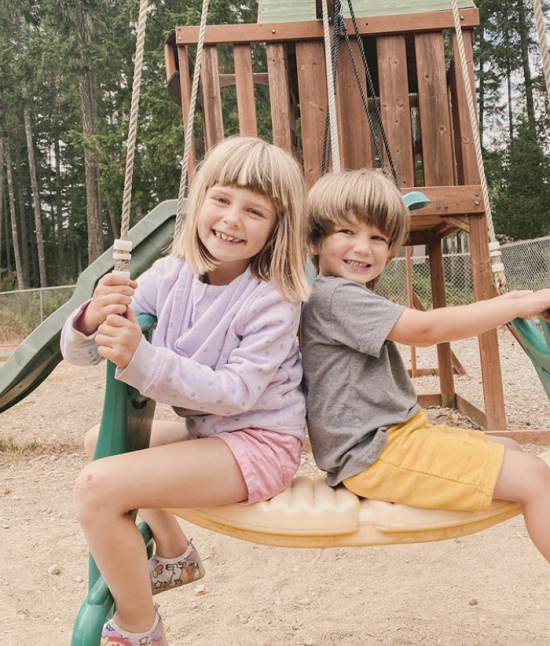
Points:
[(267, 341), (445, 324)]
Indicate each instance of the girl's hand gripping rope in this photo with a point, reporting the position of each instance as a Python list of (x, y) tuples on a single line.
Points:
[(118, 338), (113, 293)]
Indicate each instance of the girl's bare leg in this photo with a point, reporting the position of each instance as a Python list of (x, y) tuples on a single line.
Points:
[(525, 479), (192, 473), (170, 540)]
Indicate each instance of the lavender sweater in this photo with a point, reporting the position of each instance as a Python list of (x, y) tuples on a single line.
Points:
[(224, 357)]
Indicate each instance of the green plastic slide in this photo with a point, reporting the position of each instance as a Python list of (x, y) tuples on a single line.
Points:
[(39, 354), (534, 337)]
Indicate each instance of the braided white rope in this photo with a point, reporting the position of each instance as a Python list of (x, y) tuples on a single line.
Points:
[(180, 212), (132, 129), (335, 143), (543, 43), (498, 268)]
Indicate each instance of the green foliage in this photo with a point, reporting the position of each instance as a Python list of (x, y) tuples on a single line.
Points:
[(522, 201), (64, 39)]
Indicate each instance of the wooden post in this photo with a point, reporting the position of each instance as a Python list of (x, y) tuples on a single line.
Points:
[(488, 343), (437, 275)]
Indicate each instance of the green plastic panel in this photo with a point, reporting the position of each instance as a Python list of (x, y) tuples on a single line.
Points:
[(299, 10), (534, 336), (39, 354)]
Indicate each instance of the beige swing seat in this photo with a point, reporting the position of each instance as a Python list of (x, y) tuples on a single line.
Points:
[(309, 513)]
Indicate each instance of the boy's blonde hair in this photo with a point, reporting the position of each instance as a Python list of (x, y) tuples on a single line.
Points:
[(261, 167), (365, 195)]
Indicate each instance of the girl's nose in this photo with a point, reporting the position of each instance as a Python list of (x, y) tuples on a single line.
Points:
[(231, 217)]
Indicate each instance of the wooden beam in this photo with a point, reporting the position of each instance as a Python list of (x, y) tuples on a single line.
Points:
[(430, 400), (491, 373), (395, 105), (437, 278), (313, 29), (539, 438), (472, 412), (246, 100), (458, 222), (279, 95), (457, 365), (450, 200), (259, 78), (185, 96), (310, 61)]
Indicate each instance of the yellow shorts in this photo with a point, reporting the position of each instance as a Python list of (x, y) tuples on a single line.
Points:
[(432, 467)]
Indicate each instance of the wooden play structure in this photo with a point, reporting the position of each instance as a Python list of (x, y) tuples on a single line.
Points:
[(422, 100), (423, 104)]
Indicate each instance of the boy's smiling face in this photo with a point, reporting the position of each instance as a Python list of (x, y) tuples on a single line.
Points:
[(355, 251)]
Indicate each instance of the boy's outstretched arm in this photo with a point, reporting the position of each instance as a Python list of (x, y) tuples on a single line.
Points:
[(444, 324)]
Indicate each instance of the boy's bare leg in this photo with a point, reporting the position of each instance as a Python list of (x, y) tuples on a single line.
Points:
[(508, 442), (525, 479)]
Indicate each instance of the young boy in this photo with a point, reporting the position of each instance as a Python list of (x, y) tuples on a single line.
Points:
[(366, 428)]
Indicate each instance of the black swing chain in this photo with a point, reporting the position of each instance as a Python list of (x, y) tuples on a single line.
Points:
[(371, 87)]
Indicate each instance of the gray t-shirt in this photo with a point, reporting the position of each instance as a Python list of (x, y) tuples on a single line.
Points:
[(357, 384)]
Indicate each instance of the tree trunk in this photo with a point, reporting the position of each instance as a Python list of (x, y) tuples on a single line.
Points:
[(59, 211), (15, 236), (25, 225), (32, 168), (88, 105), (7, 237), (524, 38), (1, 196), (510, 110)]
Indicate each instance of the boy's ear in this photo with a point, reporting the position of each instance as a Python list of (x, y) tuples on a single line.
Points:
[(315, 247)]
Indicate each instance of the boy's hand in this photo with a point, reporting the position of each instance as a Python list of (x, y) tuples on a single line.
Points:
[(118, 338), (112, 295), (532, 304)]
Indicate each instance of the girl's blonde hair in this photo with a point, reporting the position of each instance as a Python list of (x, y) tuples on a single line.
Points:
[(261, 167), (365, 195)]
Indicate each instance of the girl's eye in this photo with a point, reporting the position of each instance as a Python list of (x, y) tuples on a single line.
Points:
[(256, 212), (221, 200)]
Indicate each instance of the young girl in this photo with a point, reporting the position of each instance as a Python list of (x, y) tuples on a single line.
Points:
[(224, 356), (366, 428)]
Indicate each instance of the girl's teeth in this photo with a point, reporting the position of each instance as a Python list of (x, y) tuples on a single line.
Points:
[(226, 238)]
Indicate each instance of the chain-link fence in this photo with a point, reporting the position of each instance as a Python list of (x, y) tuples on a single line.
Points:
[(22, 311), (527, 265)]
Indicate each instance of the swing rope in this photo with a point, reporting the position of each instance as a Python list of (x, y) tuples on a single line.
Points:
[(331, 91), (543, 44), (133, 126), (188, 135), (494, 246), (122, 246)]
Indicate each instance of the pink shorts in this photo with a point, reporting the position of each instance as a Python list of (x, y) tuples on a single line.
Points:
[(268, 460)]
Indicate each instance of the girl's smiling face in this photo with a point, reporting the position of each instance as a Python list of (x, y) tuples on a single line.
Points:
[(355, 250), (234, 225)]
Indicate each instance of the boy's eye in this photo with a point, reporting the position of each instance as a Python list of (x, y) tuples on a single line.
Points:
[(379, 238), (347, 232)]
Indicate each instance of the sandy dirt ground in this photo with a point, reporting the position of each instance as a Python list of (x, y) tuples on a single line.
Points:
[(487, 589)]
